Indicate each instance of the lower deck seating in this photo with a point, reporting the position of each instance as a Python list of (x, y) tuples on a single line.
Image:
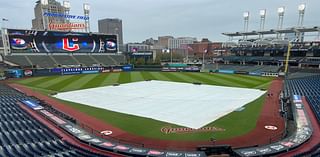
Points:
[(245, 68), (50, 61), (308, 86), (21, 135), (19, 60)]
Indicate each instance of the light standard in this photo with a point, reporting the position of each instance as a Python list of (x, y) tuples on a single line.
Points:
[(170, 51), (263, 13), (203, 53), (246, 22), (301, 8), (280, 20), (86, 10)]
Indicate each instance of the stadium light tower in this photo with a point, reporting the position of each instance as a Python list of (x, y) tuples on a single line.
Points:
[(246, 22), (301, 8), (86, 10), (263, 14), (280, 20), (44, 6)]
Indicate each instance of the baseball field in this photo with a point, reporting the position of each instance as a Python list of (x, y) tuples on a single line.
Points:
[(234, 124)]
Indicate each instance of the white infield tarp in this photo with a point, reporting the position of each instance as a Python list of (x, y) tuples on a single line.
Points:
[(184, 104)]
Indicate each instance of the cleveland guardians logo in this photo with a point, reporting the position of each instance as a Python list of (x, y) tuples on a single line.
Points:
[(70, 46), (18, 43), (111, 45)]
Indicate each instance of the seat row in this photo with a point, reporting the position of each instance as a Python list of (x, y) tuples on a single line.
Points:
[(23, 136)]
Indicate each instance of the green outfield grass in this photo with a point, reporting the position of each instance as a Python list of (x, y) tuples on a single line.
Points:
[(235, 123)]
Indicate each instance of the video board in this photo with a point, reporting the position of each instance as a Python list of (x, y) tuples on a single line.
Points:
[(31, 41)]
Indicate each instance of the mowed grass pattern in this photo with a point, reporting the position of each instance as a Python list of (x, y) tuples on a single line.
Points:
[(75, 82), (235, 123)]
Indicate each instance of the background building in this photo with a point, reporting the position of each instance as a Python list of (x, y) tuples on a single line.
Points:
[(176, 43), (112, 26), (163, 41), (135, 47), (41, 22)]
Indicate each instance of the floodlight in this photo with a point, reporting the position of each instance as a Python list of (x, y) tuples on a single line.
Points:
[(86, 6), (246, 14), (302, 7), (263, 12), (66, 4), (44, 2), (281, 10)]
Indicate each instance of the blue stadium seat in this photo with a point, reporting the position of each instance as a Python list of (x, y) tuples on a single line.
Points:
[(310, 87), (21, 135)]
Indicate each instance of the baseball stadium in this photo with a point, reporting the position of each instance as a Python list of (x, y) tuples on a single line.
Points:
[(79, 93)]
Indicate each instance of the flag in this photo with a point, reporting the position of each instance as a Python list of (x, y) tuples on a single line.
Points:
[(3, 19)]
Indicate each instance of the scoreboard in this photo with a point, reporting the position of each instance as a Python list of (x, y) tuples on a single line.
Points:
[(32, 41)]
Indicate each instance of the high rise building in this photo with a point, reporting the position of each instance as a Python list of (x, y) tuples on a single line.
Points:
[(112, 26), (41, 22)]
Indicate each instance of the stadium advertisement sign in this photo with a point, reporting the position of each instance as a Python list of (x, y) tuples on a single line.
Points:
[(28, 72), (66, 16), (241, 72), (127, 68), (255, 73), (90, 72), (32, 41), (66, 26), (14, 73), (32, 104), (226, 71), (71, 71), (46, 72), (186, 69), (169, 130)]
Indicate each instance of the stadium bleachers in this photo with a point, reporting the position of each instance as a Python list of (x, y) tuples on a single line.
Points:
[(85, 60), (105, 60), (42, 61), (65, 60), (246, 68), (308, 86), (120, 59), (21, 135), (49, 61), (19, 60)]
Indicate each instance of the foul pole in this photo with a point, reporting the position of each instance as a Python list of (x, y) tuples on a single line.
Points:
[(287, 58)]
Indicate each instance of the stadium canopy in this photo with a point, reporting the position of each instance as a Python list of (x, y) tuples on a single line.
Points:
[(275, 31)]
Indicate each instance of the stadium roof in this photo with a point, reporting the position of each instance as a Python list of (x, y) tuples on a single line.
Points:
[(275, 31)]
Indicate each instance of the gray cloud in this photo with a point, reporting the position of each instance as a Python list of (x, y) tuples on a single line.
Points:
[(198, 18)]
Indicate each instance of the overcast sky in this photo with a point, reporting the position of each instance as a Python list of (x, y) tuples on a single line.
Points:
[(144, 19)]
